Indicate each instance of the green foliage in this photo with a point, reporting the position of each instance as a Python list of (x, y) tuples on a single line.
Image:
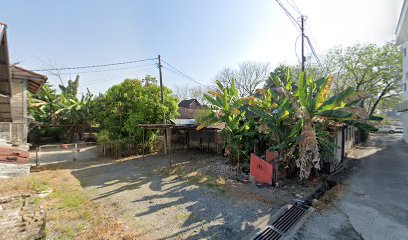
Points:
[(128, 104), (293, 117), (73, 114), (38, 185), (226, 106), (373, 69)]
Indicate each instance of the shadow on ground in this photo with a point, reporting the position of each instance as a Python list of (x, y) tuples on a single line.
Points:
[(167, 207)]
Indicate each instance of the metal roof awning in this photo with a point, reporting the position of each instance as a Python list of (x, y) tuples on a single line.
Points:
[(155, 126), (35, 80)]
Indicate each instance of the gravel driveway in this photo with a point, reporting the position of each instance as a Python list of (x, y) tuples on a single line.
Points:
[(162, 207)]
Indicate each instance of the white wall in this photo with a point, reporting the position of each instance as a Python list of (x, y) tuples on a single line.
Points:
[(405, 67), (404, 115)]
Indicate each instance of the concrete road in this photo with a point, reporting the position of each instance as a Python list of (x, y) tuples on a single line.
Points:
[(375, 205)]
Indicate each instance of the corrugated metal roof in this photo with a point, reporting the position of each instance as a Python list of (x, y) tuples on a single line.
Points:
[(185, 122), (35, 80)]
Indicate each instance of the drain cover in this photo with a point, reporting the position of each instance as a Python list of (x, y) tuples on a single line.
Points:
[(285, 223), (289, 218), (268, 234)]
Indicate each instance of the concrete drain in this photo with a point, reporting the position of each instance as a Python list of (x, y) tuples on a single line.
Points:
[(288, 221)]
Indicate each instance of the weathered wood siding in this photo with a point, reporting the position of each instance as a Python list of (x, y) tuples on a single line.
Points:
[(19, 112)]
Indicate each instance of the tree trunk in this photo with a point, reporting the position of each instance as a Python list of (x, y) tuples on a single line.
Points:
[(377, 101)]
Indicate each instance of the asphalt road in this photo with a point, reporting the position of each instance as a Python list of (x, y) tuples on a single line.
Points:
[(375, 204)]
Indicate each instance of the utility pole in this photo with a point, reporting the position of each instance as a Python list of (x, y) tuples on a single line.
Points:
[(162, 101), (161, 87), (302, 20)]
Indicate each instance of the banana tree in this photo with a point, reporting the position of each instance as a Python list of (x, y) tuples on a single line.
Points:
[(227, 107), (313, 109)]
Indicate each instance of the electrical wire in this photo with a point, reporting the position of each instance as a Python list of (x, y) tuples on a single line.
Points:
[(107, 70), (183, 74), (312, 36), (290, 16), (313, 51), (103, 79), (92, 66), (294, 6)]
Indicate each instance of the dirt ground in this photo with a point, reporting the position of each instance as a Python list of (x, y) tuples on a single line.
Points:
[(52, 205), (142, 199)]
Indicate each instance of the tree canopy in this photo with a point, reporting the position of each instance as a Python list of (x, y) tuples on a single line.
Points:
[(376, 70), (129, 103), (248, 77)]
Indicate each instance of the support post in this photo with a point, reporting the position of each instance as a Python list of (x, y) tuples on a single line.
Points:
[(143, 143), (37, 160), (76, 152), (169, 148), (275, 172)]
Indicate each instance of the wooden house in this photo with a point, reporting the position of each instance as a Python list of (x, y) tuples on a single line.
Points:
[(15, 83)]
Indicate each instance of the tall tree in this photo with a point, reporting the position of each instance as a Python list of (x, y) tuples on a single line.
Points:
[(71, 89), (248, 77), (129, 103), (186, 92), (373, 69)]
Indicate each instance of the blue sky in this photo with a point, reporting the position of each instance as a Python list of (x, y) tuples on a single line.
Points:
[(198, 37)]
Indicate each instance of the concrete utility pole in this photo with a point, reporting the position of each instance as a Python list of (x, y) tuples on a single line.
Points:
[(302, 20), (161, 87), (162, 101)]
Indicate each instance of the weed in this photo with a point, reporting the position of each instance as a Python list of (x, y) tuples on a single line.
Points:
[(38, 185), (36, 200)]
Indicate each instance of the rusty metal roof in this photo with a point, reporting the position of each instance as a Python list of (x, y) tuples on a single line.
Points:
[(35, 80)]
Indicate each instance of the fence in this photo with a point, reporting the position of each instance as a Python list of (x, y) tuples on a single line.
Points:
[(120, 150), (48, 154)]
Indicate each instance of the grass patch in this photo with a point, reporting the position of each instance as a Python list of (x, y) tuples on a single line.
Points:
[(69, 199), (38, 185), (70, 211)]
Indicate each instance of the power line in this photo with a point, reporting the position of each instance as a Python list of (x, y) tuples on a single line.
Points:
[(313, 51), (107, 70), (291, 18), (183, 74), (312, 36), (93, 66), (103, 79), (297, 56), (294, 6)]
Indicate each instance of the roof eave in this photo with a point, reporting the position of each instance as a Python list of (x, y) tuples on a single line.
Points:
[(402, 19)]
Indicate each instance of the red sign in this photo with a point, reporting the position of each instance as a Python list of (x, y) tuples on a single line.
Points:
[(260, 169)]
